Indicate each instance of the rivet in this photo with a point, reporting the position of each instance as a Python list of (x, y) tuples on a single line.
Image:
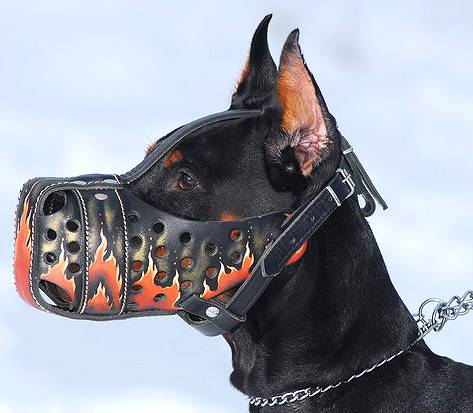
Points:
[(101, 197), (212, 312)]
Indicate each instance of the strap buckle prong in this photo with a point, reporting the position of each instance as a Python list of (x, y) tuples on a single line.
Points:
[(347, 179)]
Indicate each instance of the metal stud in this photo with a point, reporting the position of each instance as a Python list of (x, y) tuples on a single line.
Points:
[(212, 312), (101, 197)]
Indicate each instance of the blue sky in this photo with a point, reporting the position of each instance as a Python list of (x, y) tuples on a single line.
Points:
[(86, 86)]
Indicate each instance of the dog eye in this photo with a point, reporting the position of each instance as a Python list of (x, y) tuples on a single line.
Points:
[(186, 182)]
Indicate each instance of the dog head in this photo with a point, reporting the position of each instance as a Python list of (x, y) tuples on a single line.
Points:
[(252, 166), (79, 238)]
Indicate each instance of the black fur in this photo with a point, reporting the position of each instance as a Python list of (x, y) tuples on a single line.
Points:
[(333, 313)]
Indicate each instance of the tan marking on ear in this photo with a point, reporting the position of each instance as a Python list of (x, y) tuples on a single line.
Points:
[(244, 72), (301, 110), (302, 115), (150, 149), (228, 216), (173, 158)]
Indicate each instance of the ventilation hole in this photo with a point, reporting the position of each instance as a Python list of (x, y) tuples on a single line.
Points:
[(54, 203), (73, 247), (211, 249), (137, 265), (132, 306), (73, 267), (51, 235), (235, 257), (235, 235), (211, 272), (187, 263), (158, 227), (161, 251), (133, 218), (161, 275), (72, 226), (50, 257), (159, 297), (56, 294), (186, 238), (136, 242), (185, 284), (136, 288)]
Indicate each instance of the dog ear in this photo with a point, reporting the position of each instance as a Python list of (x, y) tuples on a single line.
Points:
[(304, 115), (256, 88)]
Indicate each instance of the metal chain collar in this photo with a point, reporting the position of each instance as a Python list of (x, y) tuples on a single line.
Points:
[(442, 312)]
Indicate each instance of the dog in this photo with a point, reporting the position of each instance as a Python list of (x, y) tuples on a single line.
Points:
[(333, 313)]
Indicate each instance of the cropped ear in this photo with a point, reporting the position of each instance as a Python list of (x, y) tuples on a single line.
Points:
[(304, 115), (256, 88)]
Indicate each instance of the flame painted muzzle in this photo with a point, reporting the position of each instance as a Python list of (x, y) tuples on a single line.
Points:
[(97, 250), (88, 247)]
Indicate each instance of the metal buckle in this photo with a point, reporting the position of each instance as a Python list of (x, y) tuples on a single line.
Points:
[(347, 180)]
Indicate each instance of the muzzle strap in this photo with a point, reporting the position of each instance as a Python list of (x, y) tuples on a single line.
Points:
[(296, 230)]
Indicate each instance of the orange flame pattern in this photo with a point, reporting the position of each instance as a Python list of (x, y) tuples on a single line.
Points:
[(298, 254), (107, 297), (228, 280), (145, 299), (57, 275), (22, 261), (99, 301)]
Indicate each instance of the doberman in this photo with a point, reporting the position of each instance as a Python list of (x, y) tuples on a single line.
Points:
[(335, 311), (330, 319)]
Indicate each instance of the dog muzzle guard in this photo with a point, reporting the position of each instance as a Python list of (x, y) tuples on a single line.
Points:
[(88, 247)]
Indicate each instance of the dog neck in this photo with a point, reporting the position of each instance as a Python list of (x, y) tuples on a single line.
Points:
[(323, 319)]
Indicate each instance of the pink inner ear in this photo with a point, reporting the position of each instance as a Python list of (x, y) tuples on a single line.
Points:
[(302, 115), (309, 148)]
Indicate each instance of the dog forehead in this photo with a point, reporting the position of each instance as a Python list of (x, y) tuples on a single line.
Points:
[(218, 141)]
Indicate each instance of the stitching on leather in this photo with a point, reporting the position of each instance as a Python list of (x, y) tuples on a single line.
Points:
[(15, 234), (321, 218), (86, 222), (33, 217), (125, 289)]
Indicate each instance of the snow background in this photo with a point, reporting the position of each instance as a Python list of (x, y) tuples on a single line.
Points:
[(86, 86)]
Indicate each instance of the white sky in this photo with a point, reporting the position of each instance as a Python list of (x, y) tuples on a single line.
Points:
[(86, 86)]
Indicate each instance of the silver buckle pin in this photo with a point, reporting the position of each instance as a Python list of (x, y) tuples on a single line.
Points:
[(347, 179)]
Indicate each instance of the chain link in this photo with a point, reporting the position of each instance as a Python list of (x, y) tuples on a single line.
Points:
[(442, 312)]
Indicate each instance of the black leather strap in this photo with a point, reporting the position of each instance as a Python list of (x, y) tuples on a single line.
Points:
[(302, 225), (364, 185), (296, 230), (166, 144), (220, 316)]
